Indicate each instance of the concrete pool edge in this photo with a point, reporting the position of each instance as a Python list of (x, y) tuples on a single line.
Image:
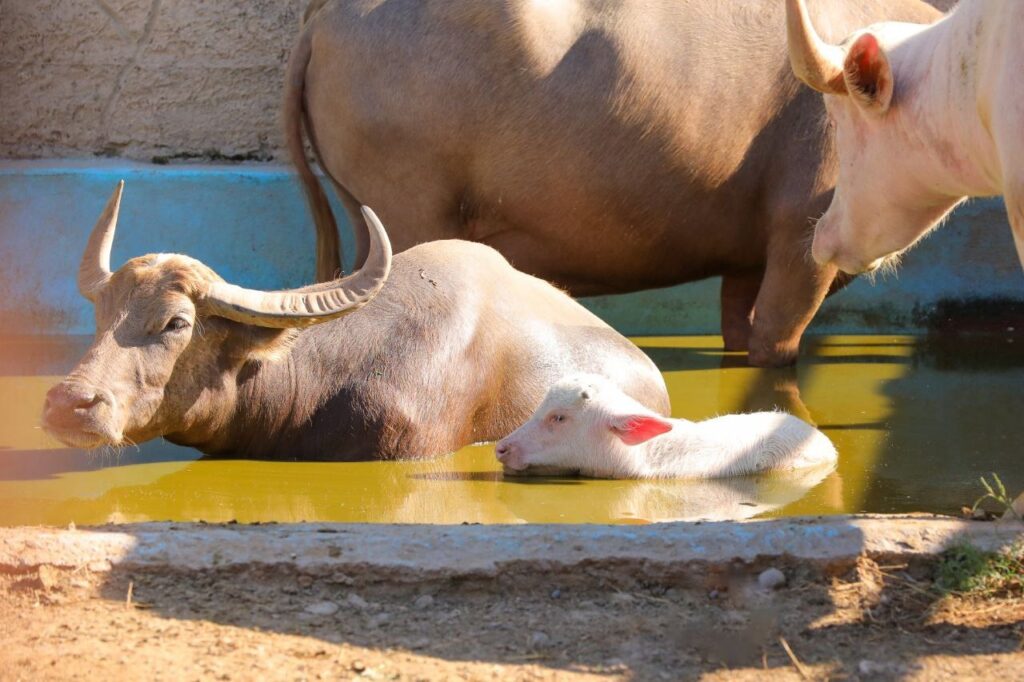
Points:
[(250, 223), (366, 554)]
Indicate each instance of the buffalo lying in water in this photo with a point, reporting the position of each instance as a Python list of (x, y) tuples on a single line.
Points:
[(451, 346), (605, 146)]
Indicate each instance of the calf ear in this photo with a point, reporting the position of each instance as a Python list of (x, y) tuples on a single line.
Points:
[(634, 429), (868, 74)]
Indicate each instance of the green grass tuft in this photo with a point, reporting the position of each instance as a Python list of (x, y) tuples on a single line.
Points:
[(996, 492), (964, 569)]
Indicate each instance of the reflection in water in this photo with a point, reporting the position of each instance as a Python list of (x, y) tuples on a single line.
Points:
[(915, 423)]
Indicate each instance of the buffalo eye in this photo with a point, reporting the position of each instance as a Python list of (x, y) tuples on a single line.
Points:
[(176, 324), (556, 418)]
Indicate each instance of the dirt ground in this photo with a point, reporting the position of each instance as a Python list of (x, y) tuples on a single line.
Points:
[(871, 622)]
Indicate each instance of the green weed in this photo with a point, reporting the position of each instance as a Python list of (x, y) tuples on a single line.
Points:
[(964, 569), (997, 493)]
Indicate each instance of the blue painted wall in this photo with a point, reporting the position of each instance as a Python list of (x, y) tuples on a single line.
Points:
[(251, 225)]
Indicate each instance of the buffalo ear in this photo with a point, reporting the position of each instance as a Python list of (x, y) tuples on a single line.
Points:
[(868, 74), (634, 429), (248, 342)]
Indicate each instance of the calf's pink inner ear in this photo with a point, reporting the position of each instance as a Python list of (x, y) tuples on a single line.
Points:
[(639, 428), (868, 74)]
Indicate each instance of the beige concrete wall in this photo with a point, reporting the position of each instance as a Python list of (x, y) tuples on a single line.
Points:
[(143, 78), (146, 79)]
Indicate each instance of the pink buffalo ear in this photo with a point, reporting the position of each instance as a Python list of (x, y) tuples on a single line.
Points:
[(868, 74), (634, 429)]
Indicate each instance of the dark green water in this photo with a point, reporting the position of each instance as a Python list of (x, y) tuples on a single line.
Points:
[(916, 422)]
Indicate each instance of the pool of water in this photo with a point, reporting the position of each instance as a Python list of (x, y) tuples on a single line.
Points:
[(916, 422)]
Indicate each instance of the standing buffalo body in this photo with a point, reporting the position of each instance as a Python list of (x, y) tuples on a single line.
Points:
[(455, 347), (924, 116), (607, 146)]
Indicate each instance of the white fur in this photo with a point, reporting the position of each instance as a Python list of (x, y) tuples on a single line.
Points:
[(953, 130), (575, 428)]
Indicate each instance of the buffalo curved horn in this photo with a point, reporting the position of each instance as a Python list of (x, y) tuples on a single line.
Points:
[(814, 61), (94, 270), (312, 304)]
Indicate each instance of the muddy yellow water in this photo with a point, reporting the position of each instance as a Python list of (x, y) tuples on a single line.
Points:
[(916, 422)]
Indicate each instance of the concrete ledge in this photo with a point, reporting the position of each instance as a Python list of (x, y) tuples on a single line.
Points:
[(373, 553)]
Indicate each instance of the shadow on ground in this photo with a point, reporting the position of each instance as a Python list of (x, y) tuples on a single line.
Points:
[(643, 620)]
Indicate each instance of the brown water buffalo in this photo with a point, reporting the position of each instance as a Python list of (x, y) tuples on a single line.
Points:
[(606, 146), (453, 346)]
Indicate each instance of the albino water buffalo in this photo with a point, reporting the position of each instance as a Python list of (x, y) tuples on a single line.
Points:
[(924, 117), (606, 146), (453, 346), (588, 425)]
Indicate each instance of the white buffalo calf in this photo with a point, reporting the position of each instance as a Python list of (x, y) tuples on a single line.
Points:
[(924, 115), (587, 424)]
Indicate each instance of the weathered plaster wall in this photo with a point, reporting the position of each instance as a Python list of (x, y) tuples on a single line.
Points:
[(143, 78), (146, 79)]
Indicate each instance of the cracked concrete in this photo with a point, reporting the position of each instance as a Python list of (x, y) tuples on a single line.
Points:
[(140, 45), (146, 80)]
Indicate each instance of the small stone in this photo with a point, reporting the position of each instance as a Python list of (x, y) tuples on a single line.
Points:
[(556, 593), (622, 598), (322, 608), (872, 669), (305, 580), (539, 639), (1016, 509), (771, 579), (101, 566), (48, 576), (733, 617), (356, 602), (424, 601), (713, 594), (379, 620), (358, 666)]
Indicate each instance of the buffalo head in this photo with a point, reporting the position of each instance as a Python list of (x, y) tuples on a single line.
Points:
[(883, 202), (171, 336)]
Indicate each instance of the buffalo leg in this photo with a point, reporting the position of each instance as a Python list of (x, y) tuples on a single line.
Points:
[(1015, 211), (792, 290), (739, 291)]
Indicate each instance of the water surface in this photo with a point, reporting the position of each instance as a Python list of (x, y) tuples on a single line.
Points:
[(916, 422)]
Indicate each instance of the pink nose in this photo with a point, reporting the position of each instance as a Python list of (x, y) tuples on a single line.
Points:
[(509, 454), (823, 248), (68, 404), (504, 450)]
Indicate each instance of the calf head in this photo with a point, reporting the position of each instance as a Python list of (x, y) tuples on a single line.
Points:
[(585, 424), (171, 337), (882, 202)]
